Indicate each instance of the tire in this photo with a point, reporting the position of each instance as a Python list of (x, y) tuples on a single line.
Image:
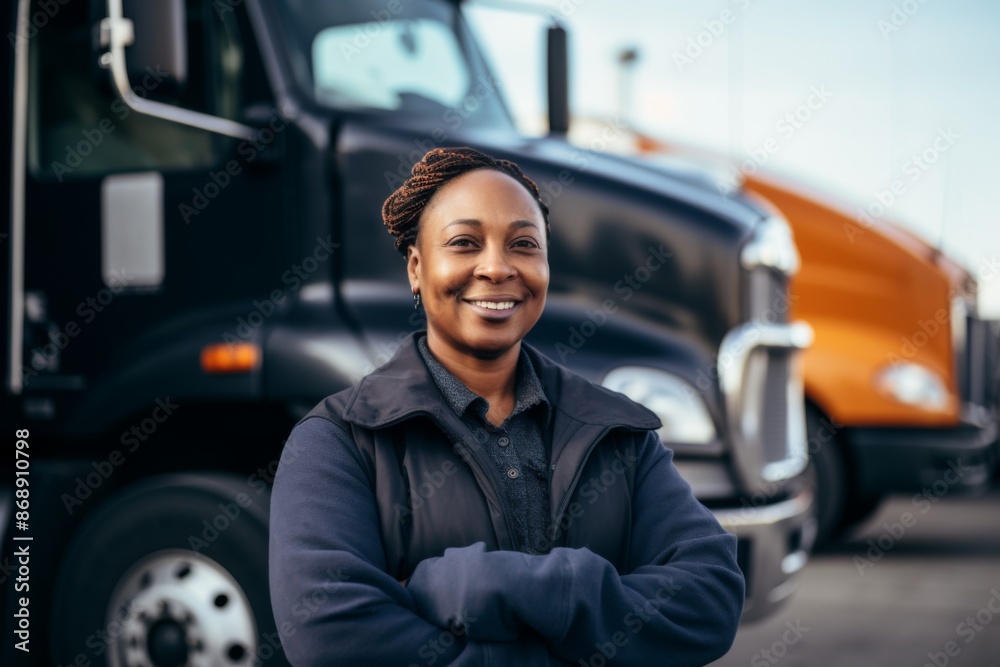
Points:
[(827, 475), (858, 509), (170, 568)]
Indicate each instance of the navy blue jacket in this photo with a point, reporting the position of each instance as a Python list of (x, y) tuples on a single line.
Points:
[(382, 483)]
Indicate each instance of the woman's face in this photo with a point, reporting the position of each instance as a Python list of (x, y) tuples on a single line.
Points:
[(481, 263)]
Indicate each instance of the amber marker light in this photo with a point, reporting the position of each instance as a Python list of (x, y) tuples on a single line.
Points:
[(230, 358)]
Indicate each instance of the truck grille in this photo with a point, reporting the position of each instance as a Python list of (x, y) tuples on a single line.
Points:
[(976, 359), (774, 430), (762, 384)]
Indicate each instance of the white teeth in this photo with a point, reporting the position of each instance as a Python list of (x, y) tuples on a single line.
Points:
[(495, 305)]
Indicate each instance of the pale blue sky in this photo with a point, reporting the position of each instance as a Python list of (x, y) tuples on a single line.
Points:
[(891, 93)]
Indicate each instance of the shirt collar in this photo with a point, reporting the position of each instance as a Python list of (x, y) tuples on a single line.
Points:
[(528, 390)]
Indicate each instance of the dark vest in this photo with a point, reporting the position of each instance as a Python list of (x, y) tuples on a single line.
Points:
[(435, 487)]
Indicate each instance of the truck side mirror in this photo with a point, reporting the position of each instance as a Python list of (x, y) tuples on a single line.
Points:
[(558, 80), (157, 45), (144, 48), (160, 44)]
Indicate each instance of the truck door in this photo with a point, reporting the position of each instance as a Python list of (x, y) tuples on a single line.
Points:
[(134, 224), (416, 83)]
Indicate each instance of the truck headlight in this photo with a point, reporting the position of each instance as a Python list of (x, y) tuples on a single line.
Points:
[(683, 413), (913, 384)]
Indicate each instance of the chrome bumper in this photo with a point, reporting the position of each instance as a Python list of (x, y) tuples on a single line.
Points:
[(774, 545)]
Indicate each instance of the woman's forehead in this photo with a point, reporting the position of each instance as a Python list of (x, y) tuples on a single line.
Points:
[(483, 195)]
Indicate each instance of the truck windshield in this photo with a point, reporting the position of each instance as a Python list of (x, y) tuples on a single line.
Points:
[(413, 57)]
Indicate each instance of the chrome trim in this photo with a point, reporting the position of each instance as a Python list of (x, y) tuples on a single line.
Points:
[(734, 356), (18, 169), (772, 246), (765, 530), (735, 520), (961, 355), (117, 32), (152, 592), (959, 326)]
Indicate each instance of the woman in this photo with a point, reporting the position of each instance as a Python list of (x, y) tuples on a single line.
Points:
[(473, 503)]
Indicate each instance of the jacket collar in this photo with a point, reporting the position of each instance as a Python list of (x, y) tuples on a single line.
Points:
[(403, 387)]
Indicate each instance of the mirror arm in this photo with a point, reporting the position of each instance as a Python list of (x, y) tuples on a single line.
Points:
[(117, 32)]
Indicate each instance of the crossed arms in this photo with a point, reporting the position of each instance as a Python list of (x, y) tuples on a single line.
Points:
[(334, 603)]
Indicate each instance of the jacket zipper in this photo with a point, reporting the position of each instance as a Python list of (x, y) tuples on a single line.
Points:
[(579, 471), (576, 477)]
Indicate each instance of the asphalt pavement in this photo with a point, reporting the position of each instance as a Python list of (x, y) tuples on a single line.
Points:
[(914, 586)]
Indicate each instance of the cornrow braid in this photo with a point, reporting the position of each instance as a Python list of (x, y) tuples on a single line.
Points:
[(402, 210)]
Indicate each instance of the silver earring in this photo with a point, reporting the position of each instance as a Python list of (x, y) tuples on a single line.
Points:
[(416, 300)]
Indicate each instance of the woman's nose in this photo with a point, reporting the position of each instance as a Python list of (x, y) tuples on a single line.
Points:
[(495, 265)]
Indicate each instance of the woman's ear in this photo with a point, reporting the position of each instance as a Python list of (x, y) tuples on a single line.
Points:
[(412, 265)]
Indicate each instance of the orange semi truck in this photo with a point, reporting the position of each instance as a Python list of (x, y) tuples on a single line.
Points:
[(901, 380)]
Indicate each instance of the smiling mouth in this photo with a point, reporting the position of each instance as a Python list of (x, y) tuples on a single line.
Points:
[(495, 305)]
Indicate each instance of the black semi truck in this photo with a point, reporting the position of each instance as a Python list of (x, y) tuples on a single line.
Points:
[(193, 256)]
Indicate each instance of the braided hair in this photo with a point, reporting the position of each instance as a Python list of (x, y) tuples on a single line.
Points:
[(402, 210)]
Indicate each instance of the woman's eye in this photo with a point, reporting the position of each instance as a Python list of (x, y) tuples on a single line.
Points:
[(525, 243), (461, 243)]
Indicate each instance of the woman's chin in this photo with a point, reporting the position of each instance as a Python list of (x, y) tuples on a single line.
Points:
[(491, 344), (492, 348)]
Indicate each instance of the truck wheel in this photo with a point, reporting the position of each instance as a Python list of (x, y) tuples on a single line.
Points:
[(859, 509), (827, 476), (170, 571)]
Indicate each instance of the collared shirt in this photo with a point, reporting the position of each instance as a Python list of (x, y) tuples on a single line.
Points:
[(517, 447)]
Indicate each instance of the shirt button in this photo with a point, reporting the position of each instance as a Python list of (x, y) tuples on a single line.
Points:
[(503, 441), (513, 473)]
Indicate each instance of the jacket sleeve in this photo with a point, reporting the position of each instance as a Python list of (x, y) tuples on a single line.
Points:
[(333, 602), (680, 602)]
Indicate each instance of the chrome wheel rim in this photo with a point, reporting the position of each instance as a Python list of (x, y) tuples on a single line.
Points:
[(178, 608)]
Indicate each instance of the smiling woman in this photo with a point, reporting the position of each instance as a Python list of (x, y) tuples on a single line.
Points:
[(479, 265), (479, 503)]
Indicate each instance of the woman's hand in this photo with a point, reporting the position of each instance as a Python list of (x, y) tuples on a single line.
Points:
[(453, 592)]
